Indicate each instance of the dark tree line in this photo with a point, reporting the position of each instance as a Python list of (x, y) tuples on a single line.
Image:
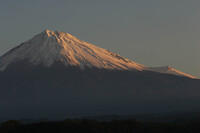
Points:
[(93, 126)]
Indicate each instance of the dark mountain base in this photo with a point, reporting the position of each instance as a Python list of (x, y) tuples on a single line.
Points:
[(59, 92)]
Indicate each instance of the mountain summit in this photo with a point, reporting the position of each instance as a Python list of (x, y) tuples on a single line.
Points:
[(50, 47)]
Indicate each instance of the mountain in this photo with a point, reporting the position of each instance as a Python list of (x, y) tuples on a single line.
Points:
[(55, 75), (49, 47)]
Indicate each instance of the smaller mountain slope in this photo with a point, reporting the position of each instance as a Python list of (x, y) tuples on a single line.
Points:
[(169, 70)]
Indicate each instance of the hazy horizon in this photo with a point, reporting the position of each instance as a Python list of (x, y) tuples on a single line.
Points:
[(153, 33)]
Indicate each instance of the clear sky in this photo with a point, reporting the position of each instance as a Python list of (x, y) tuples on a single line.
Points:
[(150, 32)]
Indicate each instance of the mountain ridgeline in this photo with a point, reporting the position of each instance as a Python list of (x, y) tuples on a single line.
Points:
[(56, 75)]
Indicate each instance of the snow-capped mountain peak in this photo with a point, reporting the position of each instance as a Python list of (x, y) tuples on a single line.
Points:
[(49, 47)]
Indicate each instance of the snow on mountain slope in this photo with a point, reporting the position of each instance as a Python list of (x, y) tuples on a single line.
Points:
[(49, 47), (169, 70)]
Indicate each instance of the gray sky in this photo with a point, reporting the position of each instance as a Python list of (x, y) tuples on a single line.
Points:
[(150, 32)]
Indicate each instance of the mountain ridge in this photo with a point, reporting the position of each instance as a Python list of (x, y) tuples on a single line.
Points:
[(49, 47)]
